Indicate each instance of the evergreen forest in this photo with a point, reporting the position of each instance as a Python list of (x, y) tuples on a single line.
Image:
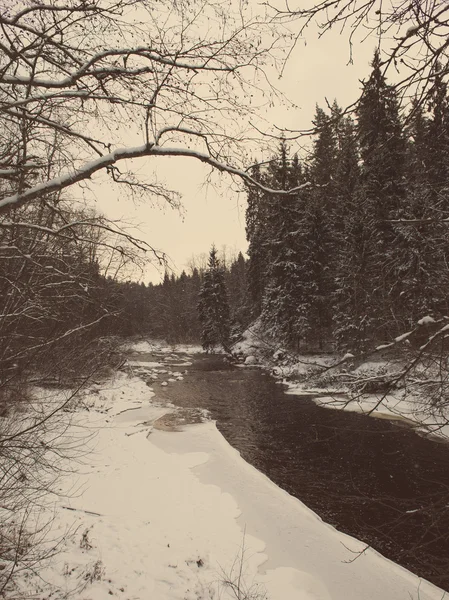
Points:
[(359, 253), (353, 258)]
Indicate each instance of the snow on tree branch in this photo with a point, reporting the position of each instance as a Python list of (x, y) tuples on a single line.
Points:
[(76, 78), (59, 183)]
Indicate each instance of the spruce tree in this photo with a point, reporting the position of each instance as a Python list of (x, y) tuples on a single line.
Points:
[(319, 218), (283, 301), (424, 263), (437, 167), (382, 194), (237, 292), (427, 284), (213, 306), (436, 150), (256, 234)]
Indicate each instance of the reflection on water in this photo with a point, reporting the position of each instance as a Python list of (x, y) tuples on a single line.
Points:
[(369, 477)]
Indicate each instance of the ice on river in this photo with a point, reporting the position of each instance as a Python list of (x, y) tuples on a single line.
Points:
[(173, 515)]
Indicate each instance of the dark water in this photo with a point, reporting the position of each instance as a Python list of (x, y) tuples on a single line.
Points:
[(368, 477)]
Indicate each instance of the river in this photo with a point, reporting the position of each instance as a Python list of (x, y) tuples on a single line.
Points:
[(374, 479)]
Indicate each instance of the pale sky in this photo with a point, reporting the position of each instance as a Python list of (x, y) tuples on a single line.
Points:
[(317, 69)]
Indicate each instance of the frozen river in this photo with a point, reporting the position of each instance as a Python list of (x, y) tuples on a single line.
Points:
[(370, 478)]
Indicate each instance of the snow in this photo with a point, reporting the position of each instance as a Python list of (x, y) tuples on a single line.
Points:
[(169, 515), (326, 379), (250, 341), (150, 149), (404, 336), (142, 363), (412, 30), (398, 405), (161, 346), (250, 360), (305, 558), (426, 320), (383, 346)]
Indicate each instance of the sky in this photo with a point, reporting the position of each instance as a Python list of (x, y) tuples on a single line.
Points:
[(317, 70)]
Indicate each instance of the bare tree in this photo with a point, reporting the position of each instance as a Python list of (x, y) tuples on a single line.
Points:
[(86, 86), (180, 72), (412, 35)]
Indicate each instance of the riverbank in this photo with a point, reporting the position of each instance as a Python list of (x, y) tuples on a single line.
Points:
[(179, 515), (341, 382)]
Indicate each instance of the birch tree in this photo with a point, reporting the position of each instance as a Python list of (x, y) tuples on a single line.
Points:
[(117, 80)]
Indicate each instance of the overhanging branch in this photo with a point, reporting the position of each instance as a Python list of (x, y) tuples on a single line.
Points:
[(59, 183)]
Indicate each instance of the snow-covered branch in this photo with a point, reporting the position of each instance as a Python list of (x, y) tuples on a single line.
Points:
[(85, 73), (68, 179)]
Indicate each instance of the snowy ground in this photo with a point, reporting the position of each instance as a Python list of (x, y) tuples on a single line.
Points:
[(321, 378), (165, 515)]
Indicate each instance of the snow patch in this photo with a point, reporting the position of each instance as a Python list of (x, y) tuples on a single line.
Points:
[(426, 320), (250, 360)]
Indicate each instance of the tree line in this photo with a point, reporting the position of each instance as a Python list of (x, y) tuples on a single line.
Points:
[(206, 304), (356, 256)]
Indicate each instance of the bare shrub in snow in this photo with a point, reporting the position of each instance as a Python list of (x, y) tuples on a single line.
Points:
[(234, 581), (34, 439)]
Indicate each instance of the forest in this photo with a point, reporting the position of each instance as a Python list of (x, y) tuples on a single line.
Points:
[(357, 256), (347, 231)]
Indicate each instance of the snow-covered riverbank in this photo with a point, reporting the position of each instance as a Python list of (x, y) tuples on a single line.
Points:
[(328, 379), (172, 515)]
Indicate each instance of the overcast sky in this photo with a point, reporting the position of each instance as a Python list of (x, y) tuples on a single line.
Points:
[(317, 70)]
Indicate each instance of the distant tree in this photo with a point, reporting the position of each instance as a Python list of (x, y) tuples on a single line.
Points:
[(191, 292), (213, 306), (170, 309), (256, 234), (236, 281)]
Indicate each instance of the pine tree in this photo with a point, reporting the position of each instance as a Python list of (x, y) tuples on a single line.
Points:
[(256, 234), (237, 291), (427, 283), (351, 248), (192, 290), (382, 146), (318, 219), (419, 292), (282, 300), (213, 306), (382, 193), (437, 167), (436, 150), (297, 299)]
